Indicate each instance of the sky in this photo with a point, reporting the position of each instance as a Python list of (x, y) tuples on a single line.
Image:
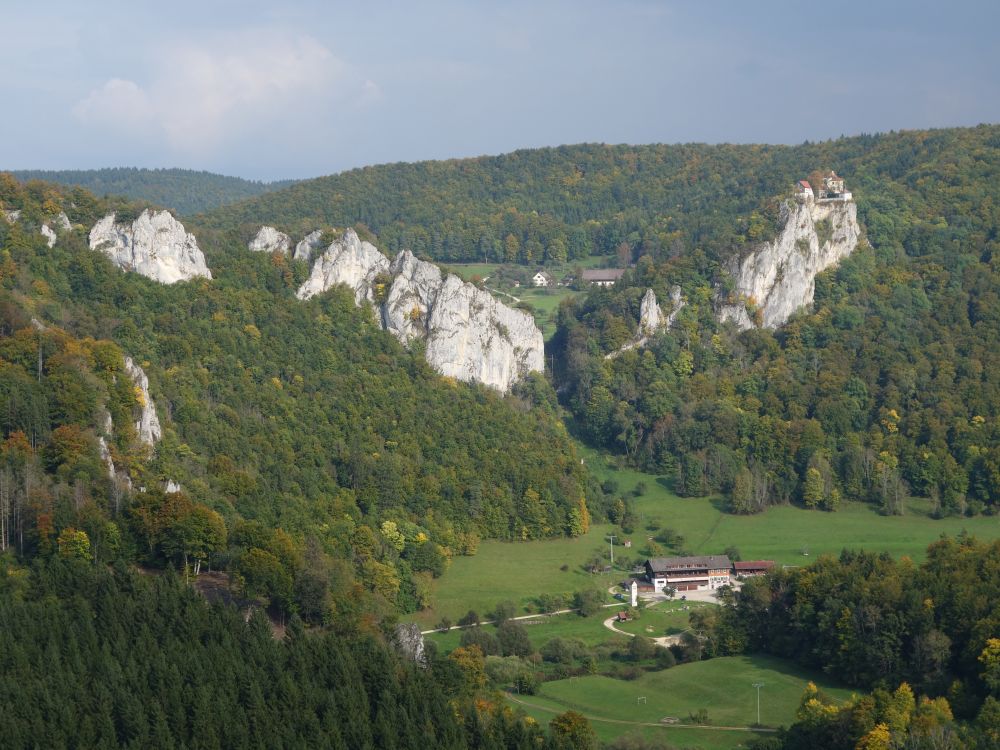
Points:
[(301, 88)]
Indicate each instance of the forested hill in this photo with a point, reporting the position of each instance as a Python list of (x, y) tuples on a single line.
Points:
[(568, 202), (889, 386), (300, 432), (185, 191)]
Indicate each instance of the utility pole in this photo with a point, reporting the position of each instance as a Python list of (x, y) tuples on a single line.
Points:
[(758, 685), (612, 540)]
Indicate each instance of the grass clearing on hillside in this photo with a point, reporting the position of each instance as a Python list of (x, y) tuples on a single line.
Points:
[(518, 571), (543, 709), (542, 629), (521, 571), (722, 686), (787, 534)]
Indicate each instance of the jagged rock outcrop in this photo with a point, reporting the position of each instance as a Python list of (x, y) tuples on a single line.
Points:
[(49, 235), (61, 223), (270, 240), (778, 278), (171, 486), (12, 216), (409, 642), (469, 335), (308, 245), (650, 315), (652, 319), (349, 261), (155, 245), (148, 424)]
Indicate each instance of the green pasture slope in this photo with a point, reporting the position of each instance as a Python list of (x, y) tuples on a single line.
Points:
[(722, 686), (542, 629), (791, 536)]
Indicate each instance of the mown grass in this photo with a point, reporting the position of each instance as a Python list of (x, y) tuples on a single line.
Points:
[(722, 686), (789, 535), (663, 618), (542, 629)]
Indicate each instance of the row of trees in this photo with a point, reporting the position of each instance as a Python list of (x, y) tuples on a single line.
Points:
[(875, 622)]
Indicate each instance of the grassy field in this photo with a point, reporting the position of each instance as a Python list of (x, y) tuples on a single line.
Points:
[(542, 709), (662, 618), (518, 571), (541, 629), (786, 534), (722, 686)]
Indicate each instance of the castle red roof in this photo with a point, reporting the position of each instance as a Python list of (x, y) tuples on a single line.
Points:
[(805, 184)]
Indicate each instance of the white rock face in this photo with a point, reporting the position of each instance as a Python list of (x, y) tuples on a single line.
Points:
[(171, 486), (62, 222), (348, 261), (779, 277), (11, 216), (270, 240), (148, 424), (473, 337), (650, 315), (49, 235), (308, 245), (470, 335), (155, 245), (652, 319)]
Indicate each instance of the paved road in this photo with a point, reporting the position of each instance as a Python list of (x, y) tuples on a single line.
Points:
[(521, 617)]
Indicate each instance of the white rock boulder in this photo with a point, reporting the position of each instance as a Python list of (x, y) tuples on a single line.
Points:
[(11, 216), (308, 245), (270, 240), (778, 278), (469, 335), (155, 245)]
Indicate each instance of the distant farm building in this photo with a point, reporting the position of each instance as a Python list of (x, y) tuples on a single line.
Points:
[(602, 276), (542, 278), (803, 190), (751, 568), (702, 573)]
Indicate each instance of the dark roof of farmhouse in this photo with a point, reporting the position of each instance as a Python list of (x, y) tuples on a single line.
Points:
[(603, 274), (753, 564), (701, 561)]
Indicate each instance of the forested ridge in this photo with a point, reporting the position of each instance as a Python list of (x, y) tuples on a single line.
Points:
[(315, 453), (889, 386), (568, 202), (185, 190)]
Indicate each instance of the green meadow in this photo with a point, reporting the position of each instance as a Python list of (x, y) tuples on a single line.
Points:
[(522, 571), (723, 687)]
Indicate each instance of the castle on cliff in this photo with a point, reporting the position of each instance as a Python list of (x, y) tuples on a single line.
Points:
[(832, 190)]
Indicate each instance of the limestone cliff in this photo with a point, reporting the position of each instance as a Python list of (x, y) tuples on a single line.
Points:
[(778, 278), (155, 245), (49, 234), (270, 240), (469, 335), (349, 261), (652, 319), (147, 426), (308, 245)]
